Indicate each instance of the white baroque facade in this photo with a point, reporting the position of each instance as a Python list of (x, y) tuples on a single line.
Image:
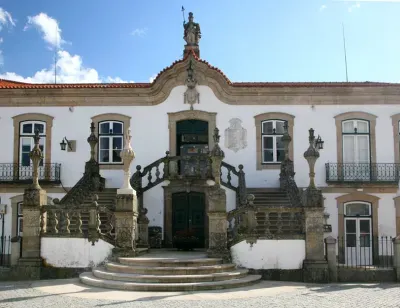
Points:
[(368, 155)]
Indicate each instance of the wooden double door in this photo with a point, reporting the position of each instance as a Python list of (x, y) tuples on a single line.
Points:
[(188, 215)]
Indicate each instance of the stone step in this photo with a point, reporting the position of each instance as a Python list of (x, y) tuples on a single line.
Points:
[(90, 279), (103, 274), (151, 270), (169, 262)]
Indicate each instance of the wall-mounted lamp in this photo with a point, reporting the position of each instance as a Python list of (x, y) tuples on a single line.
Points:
[(64, 144), (319, 143)]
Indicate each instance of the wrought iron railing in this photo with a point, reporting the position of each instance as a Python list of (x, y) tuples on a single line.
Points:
[(5, 250), (362, 173), (17, 173), (365, 251)]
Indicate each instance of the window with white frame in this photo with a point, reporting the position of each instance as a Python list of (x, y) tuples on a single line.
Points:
[(356, 147), (26, 141), (111, 137), (273, 150)]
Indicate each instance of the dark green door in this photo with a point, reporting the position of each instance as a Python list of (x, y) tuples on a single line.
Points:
[(188, 213)]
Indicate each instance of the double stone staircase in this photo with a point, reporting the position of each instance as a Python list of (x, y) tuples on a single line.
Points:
[(168, 271)]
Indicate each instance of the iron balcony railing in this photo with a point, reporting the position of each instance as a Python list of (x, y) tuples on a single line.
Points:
[(362, 173), (16, 173), (365, 251)]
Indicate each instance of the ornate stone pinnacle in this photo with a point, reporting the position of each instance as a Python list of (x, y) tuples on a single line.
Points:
[(36, 156), (127, 156), (92, 140), (216, 135), (286, 139)]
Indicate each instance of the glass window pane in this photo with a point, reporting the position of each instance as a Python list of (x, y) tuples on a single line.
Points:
[(116, 156), (365, 240), (104, 143), (27, 128), (279, 143), (268, 143), (39, 127), (350, 226), (105, 128), (279, 127), (348, 149), (104, 156), (348, 127), (117, 128), (351, 240), (268, 156), (117, 143), (280, 155), (365, 226), (362, 127), (267, 127), (354, 209), (363, 149), (25, 159)]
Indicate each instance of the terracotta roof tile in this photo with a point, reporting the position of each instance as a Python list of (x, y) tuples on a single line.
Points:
[(9, 84)]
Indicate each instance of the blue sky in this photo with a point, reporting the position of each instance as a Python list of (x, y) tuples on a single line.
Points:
[(254, 40)]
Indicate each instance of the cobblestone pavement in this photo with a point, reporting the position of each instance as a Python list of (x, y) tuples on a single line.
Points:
[(70, 293)]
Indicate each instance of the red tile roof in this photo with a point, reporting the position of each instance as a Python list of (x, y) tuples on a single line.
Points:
[(9, 84)]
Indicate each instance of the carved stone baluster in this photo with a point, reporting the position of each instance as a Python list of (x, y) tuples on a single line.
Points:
[(136, 180), (43, 219), (158, 173), (242, 189), (166, 165), (149, 177), (54, 223), (229, 177), (67, 222), (79, 222)]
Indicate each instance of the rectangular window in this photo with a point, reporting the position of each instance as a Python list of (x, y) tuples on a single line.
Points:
[(272, 145), (110, 142)]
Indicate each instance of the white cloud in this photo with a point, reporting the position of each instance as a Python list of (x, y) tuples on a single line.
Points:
[(151, 79), (139, 32), (6, 19), (323, 7), (353, 7), (69, 68), (48, 27)]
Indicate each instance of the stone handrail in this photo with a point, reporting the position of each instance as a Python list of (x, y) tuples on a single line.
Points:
[(90, 183), (86, 221), (242, 223), (240, 189), (168, 168)]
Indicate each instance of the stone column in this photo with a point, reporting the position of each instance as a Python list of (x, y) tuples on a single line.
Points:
[(396, 256), (34, 198), (315, 265), (143, 225), (217, 216), (330, 248), (126, 210)]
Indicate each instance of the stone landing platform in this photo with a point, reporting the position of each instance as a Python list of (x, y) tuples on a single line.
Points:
[(169, 270)]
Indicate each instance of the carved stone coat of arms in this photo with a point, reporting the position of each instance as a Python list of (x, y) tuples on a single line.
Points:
[(235, 135)]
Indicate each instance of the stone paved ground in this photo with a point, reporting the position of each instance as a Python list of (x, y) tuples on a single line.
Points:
[(70, 293)]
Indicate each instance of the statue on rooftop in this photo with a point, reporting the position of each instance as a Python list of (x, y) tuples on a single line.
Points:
[(192, 32)]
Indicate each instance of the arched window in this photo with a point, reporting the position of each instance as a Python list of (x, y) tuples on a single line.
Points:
[(111, 142), (26, 142), (272, 145)]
